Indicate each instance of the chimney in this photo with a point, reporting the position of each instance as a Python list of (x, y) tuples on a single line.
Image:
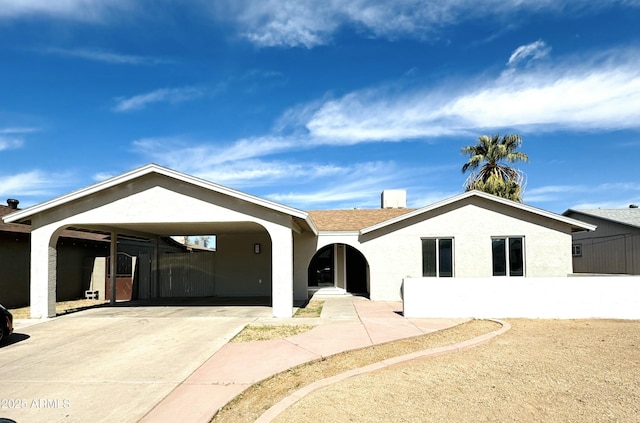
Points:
[(12, 203), (394, 199)]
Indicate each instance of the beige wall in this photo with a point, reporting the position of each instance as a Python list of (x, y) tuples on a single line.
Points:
[(398, 254), (395, 252), (306, 245), (239, 271), (158, 203)]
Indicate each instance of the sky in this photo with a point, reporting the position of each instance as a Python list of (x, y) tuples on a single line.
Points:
[(321, 104)]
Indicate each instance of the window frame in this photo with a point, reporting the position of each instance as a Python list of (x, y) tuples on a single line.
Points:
[(507, 240), (576, 250), (437, 240)]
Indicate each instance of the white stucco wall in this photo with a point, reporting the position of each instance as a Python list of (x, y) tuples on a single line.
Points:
[(150, 201), (306, 245), (502, 297), (398, 254), (395, 252)]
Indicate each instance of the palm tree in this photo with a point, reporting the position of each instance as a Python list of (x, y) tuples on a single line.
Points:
[(494, 177)]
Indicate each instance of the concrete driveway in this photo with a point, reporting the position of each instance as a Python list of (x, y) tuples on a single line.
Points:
[(110, 364)]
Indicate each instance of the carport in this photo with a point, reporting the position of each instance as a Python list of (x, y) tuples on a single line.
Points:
[(254, 251)]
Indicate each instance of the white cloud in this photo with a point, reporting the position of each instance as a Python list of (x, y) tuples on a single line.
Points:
[(35, 183), (360, 186), (600, 93), (82, 10), (10, 143), (313, 22), (17, 130), (163, 95), (535, 50), (181, 152), (11, 138), (592, 196), (102, 176), (106, 56), (245, 164)]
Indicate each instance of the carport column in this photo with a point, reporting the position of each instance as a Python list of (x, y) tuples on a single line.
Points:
[(43, 273), (113, 261), (282, 271)]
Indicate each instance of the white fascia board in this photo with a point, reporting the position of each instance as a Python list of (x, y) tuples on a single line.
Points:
[(569, 221), (145, 170), (339, 233)]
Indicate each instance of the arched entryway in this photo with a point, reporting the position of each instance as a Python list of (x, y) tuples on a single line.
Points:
[(339, 266)]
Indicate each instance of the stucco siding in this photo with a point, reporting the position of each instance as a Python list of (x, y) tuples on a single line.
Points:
[(395, 251), (239, 271), (305, 246), (397, 254), (552, 298)]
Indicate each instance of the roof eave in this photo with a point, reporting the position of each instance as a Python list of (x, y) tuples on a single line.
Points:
[(576, 225), (145, 170), (600, 217)]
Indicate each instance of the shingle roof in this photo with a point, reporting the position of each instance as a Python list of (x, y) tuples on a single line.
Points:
[(11, 227), (354, 219), (630, 216), (26, 229)]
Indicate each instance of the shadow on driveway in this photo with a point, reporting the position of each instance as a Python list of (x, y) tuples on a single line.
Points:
[(14, 339)]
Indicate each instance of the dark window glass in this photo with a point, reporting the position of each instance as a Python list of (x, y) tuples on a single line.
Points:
[(516, 262), (428, 257), (499, 257), (445, 250), (576, 250)]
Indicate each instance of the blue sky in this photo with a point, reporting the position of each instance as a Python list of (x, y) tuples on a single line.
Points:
[(321, 104)]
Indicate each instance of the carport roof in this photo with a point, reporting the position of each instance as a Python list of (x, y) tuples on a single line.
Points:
[(26, 229), (24, 216)]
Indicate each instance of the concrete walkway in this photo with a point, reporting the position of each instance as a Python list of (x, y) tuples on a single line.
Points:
[(346, 323)]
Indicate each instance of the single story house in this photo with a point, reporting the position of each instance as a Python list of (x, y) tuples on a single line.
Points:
[(614, 247), (266, 249)]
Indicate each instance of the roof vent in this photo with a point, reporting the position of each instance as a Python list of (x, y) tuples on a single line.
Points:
[(394, 199), (633, 206), (13, 204)]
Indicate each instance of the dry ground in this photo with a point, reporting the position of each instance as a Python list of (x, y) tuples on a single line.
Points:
[(257, 399), (63, 307), (539, 371)]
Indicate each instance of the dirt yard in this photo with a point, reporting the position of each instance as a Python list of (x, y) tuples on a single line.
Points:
[(539, 371)]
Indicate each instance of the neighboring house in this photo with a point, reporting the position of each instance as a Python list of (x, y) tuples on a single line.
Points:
[(614, 247), (266, 249), (81, 259), (72, 247)]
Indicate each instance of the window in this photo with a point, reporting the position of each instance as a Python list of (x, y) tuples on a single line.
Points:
[(576, 250), (437, 257), (508, 256)]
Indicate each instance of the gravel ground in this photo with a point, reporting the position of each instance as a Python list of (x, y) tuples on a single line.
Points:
[(539, 371)]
